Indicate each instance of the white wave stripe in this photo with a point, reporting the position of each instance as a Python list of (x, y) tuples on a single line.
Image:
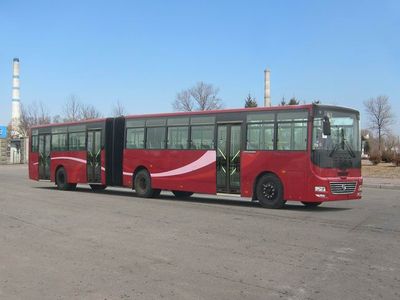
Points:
[(127, 174), (208, 158), (74, 159), (69, 158), (35, 163)]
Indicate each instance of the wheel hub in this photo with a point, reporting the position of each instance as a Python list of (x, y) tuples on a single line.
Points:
[(269, 191)]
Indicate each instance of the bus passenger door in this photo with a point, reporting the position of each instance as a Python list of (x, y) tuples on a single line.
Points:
[(44, 156), (94, 156), (228, 158)]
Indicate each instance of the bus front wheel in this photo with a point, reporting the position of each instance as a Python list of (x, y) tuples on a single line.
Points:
[(62, 182), (269, 191), (142, 185)]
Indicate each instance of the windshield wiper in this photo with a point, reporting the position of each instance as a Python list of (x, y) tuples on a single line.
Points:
[(349, 149), (343, 144), (333, 150)]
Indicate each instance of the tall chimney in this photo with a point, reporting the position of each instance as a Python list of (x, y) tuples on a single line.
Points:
[(16, 105), (267, 88)]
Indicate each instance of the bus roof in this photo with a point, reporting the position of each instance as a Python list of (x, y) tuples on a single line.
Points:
[(219, 111), (236, 110), (70, 123)]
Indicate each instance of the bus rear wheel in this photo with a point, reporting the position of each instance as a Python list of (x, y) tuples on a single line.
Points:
[(62, 181), (142, 185), (269, 191), (311, 204), (182, 194), (98, 187)]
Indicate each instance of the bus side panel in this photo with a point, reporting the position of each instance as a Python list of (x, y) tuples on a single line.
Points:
[(289, 166), (185, 170), (74, 163), (33, 165)]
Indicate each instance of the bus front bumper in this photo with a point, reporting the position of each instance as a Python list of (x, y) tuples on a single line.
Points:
[(335, 189)]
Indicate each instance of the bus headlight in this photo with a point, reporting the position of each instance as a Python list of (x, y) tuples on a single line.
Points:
[(320, 189)]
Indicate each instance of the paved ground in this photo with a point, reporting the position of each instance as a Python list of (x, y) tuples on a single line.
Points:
[(81, 245)]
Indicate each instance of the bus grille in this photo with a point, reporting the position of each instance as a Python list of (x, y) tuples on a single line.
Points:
[(341, 188)]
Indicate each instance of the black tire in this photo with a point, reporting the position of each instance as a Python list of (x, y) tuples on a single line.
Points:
[(142, 185), (182, 194), (311, 204), (98, 187), (269, 191), (62, 181)]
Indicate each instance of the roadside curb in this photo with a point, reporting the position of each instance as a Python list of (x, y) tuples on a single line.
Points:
[(382, 186)]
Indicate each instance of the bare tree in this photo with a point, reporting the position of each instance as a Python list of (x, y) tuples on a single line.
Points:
[(206, 96), (202, 96), (118, 110), (380, 116), (57, 119), (88, 112), (31, 115), (72, 109), (183, 101), (283, 102), (391, 142), (250, 101)]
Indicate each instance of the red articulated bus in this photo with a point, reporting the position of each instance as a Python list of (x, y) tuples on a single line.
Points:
[(307, 153)]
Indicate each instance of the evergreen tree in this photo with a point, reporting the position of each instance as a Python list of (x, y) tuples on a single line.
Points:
[(293, 101), (250, 101)]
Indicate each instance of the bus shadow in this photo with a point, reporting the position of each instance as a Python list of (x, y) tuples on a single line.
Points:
[(209, 200), (322, 208), (162, 197)]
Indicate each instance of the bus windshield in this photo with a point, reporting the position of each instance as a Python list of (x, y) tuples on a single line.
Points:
[(344, 132)]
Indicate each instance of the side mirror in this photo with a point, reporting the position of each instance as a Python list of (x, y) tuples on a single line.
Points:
[(326, 126)]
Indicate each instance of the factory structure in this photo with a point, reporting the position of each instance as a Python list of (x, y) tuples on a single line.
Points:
[(16, 100), (13, 145), (267, 88)]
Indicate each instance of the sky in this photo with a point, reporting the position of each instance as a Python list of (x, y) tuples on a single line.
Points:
[(141, 53)]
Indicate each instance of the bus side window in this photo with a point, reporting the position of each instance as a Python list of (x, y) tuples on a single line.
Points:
[(59, 142), (284, 136), (77, 141), (260, 136), (135, 138), (300, 136), (35, 143), (292, 130), (155, 138), (202, 137), (178, 137)]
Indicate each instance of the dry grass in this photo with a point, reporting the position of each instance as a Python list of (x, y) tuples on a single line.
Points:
[(382, 170)]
